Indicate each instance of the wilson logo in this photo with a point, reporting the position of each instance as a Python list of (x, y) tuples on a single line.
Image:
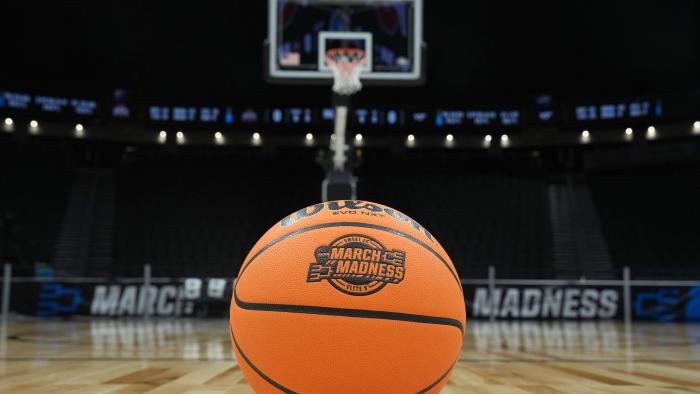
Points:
[(357, 265), (353, 207)]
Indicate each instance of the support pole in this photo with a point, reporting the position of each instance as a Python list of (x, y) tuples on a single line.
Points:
[(338, 146), (492, 293), (627, 295), (146, 288), (6, 283), (5, 311), (626, 276)]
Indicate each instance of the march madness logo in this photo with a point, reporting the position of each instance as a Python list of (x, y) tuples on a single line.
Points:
[(357, 265)]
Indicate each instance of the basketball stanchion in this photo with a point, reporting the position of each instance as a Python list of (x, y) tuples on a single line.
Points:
[(346, 64), (492, 292), (6, 283), (146, 287)]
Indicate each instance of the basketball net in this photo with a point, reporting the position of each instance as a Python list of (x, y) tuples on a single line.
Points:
[(346, 64)]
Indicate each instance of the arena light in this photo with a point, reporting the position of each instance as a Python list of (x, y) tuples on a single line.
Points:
[(629, 134), (651, 133), (257, 138), (219, 138), (9, 125), (505, 140), (696, 127), (79, 130), (33, 127), (585, 136), (487, 140), (359, 139), (449, 140), (309, 139), (411, 140), (180, 137)]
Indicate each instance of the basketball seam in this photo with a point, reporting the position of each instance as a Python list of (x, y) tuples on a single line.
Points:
[(435, 383), (344, 312), (353, 224), (289, 391), (254, 368)]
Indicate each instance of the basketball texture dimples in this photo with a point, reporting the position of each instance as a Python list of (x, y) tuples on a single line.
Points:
[(347, 297)]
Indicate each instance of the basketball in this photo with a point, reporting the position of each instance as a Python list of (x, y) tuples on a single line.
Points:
[(347, 296)]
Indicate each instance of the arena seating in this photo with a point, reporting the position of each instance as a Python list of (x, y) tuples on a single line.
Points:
[(482, 217), (650, 218), (199, 214), (202, 215), (36, 181)]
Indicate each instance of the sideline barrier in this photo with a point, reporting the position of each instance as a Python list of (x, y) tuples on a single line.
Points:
[(492, 298)]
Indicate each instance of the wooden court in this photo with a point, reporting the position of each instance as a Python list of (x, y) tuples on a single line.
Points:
[(194, 356)]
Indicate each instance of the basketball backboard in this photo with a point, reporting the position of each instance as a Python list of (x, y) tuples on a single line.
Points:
[(389, 31)]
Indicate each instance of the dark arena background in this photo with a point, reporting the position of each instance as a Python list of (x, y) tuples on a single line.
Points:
[(552, 147)]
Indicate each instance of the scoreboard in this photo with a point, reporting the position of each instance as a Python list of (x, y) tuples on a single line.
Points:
[(620, 110), (477, 118), (364, 117), (57, 106), (184, 114), (540, 111)]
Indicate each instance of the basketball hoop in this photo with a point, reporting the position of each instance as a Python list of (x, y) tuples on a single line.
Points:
[(346, 64)]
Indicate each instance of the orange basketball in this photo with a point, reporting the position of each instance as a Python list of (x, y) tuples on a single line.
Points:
[(347, 297)]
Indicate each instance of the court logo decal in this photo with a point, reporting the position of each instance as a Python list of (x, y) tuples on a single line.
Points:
[(357, 265)]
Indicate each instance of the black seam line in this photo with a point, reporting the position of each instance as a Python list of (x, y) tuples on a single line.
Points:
[(353, 224), (259, 372), (435, 383), (359, 313)]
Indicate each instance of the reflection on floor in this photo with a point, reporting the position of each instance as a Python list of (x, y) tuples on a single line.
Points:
[(178, 355)]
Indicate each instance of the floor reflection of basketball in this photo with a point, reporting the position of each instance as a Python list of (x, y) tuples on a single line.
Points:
[(347, 296)]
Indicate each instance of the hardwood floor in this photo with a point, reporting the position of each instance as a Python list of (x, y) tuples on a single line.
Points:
[(179, 355)]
